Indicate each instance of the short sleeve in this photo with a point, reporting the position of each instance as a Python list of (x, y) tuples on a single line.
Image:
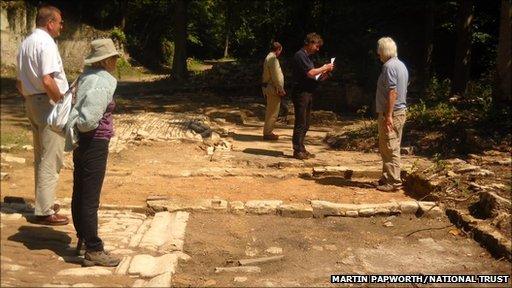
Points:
[(50, 60), (303, 63), (390, 77)]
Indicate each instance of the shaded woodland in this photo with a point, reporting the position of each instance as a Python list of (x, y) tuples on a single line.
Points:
[(456, 40)]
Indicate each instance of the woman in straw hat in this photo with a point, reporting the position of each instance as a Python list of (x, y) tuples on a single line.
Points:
[(91, 117)]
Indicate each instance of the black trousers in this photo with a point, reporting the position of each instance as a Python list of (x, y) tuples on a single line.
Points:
[(302, 103), (90, 161)]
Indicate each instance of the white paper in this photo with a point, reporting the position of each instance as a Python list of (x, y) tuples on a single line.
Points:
[(318, 76)]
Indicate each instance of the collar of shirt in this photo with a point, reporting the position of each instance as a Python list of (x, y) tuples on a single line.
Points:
[(43, 33)]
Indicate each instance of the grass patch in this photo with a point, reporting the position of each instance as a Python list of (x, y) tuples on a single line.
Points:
[(17, 137)]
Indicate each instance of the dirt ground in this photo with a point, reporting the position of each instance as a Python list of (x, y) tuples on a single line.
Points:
[(133, 174), (314, 249), (148, 168), (252, 169)]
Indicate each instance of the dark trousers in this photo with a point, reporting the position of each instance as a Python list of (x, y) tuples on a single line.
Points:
[(302, 103), (90, 161)]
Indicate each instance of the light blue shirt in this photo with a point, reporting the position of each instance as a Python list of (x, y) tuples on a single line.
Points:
[(394, 75)]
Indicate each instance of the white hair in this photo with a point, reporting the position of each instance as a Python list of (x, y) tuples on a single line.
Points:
[(387, 48)]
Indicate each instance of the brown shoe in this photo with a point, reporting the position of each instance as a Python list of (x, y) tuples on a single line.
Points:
[(300, 155), (272, 137), (53, 220)]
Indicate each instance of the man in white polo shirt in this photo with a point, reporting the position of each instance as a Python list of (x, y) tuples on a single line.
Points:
[(42, 81)]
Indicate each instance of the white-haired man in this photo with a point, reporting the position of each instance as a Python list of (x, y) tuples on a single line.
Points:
[(390, 101), (41, 79)]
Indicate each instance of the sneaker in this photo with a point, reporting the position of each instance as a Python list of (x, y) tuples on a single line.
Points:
[(100, 258), (272, 137), (388, 188), (300, 155), (379, 182)]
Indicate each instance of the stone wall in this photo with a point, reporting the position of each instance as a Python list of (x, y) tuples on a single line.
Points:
[(17, 20)]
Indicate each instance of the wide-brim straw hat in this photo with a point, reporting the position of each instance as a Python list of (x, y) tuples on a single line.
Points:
[(101, 49)]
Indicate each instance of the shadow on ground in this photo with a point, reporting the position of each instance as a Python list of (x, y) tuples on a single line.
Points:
[(45, 238), (264, 152), (342, 182)]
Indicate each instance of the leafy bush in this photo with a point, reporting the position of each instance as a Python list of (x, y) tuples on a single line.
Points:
[(431, 118), (118, 35), (437, 90), (168, 51), (123, 67)]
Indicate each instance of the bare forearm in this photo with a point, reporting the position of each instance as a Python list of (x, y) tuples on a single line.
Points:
[(51, 88), (315, 71), (391, 102)]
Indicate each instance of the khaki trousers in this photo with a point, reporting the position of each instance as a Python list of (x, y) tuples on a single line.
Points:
[(272, 111), (389, 147), (48, 153)]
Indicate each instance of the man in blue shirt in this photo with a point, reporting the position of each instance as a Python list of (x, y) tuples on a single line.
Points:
[(390, 100), (305, 77)]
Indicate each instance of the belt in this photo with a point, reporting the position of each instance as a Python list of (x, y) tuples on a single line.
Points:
[(38, 94)]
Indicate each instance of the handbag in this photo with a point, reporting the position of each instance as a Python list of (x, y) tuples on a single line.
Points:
[(60, 112)]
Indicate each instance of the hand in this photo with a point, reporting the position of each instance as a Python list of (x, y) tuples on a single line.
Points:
[(328, 67), (389, 123)]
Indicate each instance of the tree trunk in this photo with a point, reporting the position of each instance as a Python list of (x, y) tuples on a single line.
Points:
[(504, 61), (227, 25), (226, 47), (425, 73), (463, 49), (123, 6), (179, 63)]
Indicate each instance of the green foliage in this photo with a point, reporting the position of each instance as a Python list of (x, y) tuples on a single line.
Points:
[(168, 52), (118, 35), (123, 68), (195, 65), (432, 117), (15, 137), (439, 164), (437, 90)]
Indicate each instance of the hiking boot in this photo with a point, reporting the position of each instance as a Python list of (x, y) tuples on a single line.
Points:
[(100, 258), (300, 155), (310, 155), (272, 137), (388, 188), (80, 247)]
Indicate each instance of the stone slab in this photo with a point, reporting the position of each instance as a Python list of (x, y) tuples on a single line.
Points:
[(85, 271), (297, 210), (262, 206), (239, 269)]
